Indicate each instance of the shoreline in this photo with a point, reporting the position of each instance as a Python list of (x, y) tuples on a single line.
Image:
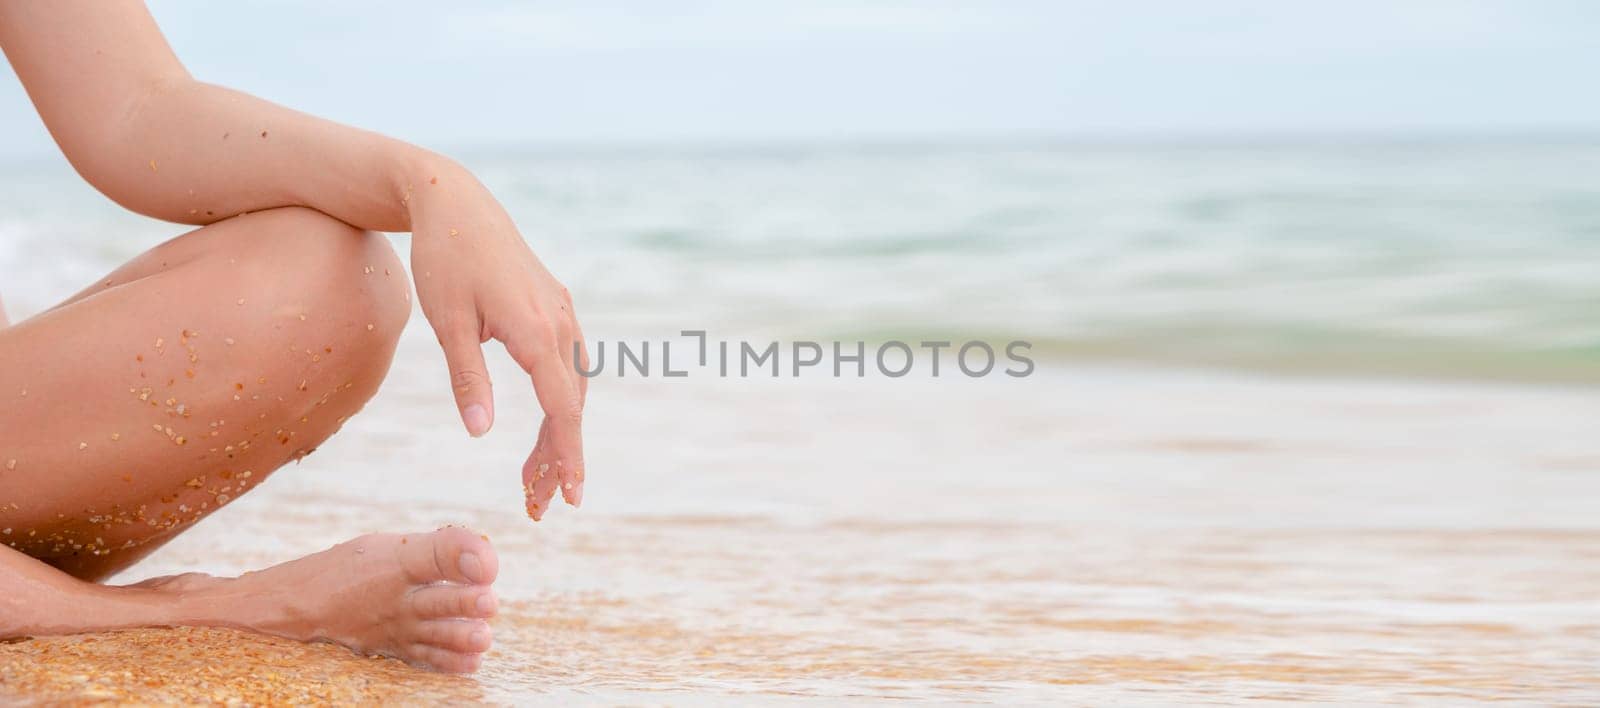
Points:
[(1107, 534)]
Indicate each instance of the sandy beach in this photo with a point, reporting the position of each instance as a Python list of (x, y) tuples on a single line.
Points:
[(1088, 534)]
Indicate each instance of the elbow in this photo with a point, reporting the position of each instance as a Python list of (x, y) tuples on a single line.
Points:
[(121, 152)]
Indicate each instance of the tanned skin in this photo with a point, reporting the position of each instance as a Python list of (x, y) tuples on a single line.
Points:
[(185, 377)]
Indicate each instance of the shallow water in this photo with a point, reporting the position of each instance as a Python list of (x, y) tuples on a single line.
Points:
[(1089, 535)]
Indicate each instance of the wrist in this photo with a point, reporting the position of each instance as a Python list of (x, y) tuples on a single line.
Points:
[(422, 177)]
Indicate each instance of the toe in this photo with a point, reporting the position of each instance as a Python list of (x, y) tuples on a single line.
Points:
[(441, 601), (457, 635), (454, 554), (438, 659)]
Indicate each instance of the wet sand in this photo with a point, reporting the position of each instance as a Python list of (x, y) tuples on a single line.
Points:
[(1086, 535)]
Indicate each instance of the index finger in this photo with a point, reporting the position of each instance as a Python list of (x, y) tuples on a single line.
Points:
[(558, 391)]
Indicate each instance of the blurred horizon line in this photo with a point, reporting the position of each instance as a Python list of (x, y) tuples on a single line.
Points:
[(892, 144), (1078, 140)]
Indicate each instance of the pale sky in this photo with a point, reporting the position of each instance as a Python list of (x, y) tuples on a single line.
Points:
[(451, 74)]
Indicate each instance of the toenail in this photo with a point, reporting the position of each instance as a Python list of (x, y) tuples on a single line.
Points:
[(485, 603), (471, 566)]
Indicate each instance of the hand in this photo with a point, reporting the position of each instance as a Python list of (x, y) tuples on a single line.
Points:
[(477, 280)]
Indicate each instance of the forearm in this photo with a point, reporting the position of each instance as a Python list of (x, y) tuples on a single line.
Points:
[(137, 126), (193, 152)]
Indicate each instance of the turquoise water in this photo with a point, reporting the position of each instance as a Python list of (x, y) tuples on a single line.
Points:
[(1476, 259)]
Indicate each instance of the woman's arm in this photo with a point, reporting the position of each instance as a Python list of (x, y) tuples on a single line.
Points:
[(142, 131)]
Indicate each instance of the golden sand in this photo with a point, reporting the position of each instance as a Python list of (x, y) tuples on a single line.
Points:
[(210, 666)]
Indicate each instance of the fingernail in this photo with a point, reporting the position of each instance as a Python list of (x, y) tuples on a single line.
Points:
[(477, 419), (485, 603), (481, 637), (471, 566)]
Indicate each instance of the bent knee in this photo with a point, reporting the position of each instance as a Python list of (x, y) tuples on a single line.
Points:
[(307, 296), (319, 268), (289, 298)]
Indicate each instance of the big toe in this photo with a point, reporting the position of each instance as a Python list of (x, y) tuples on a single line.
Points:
[(450, 554)]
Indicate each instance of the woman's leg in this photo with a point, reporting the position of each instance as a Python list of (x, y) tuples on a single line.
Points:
[(178, 383), (184, 378)]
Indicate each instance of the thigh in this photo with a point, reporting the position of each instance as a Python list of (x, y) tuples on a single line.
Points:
[(183, 379)]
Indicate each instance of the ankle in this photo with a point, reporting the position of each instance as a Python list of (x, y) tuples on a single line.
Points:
[(197, 599), (183, 582)]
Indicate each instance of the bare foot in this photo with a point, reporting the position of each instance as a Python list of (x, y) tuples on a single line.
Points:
[(424, 598)]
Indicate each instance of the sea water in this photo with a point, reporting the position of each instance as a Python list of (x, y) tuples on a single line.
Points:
[(1309, 421)]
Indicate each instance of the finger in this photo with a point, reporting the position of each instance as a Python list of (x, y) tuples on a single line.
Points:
[(538, 478), (563, 406), (531, 476), (582, 348), (469, 377), (544, 488)]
